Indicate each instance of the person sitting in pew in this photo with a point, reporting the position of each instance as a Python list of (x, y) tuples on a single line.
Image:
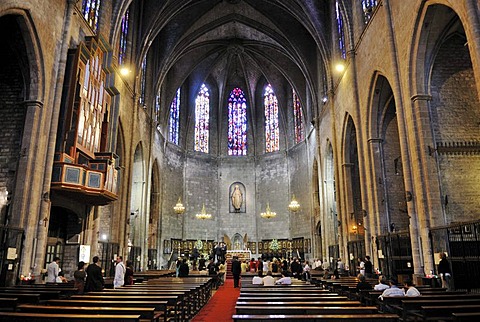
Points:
[(411, 289), (362, 283), (268, 280), (285, 280), (382, 284), (393, 290), (258, 280)]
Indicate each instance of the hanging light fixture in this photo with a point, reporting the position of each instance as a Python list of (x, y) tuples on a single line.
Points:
[(294, 206), (268, 213), (179, 208), (203, 214)]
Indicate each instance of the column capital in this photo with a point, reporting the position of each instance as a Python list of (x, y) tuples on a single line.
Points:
[(421, 97), (33, 103), (375, 140)]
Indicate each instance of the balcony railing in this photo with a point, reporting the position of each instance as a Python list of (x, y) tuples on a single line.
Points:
[(94, 183)]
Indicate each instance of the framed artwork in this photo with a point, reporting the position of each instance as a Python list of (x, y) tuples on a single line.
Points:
[(253, 247), (260, 246)]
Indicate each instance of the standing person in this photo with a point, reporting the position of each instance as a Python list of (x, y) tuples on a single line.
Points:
[(201, 263), (445, 272), (368, 267), (79, 276), (306, 271), (52, 270), (244, 266), (183, 270), (340, 266), (129, 273), (120, 270), (95, 280), (236, 271), (361, 266)]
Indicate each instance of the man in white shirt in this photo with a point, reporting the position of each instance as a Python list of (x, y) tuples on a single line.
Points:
[(268, 280), (258, 280), (382, 284), (52, 270), (285, 280), (411, 289), (393, 290), (119, 273)]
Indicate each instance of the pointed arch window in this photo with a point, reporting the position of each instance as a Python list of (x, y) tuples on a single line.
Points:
[(157, 110), (143, 81), (122, 46), (202, 115), (368, 6), (237, 123), (340, 31), (298, 119), (174, 118), (270, 103), (90, 11)]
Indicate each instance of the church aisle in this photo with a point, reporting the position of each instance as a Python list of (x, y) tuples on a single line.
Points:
[(221, 306)]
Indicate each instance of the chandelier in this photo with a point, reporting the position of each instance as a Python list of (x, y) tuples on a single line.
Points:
[(203, 214), (294, 206), (268, 213), (179, 208)]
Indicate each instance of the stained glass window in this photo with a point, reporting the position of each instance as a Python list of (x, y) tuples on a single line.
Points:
[(237, 123), (270, 103), (157, 110), (90, 10), (340, 32), (298, 119), (122, 50), (368, 7), (143, 81), (202, 114), (174, 118)]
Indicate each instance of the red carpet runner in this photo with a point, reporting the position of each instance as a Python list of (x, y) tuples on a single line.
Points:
[(221, 306)]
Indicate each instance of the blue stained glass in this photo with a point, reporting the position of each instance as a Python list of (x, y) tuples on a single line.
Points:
[(202, 116), (340, 31), (272, 142), (368, 7), (122, 50), (90, 11), (237, 123), (174, 118), (298, 119), (143, 81)]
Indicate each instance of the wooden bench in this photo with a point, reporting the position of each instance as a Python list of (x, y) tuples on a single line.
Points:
[(298, 302), (297, 310), (444, 312), (160, 306), (45, 317), (317, 318), (8, 304), (466, 317), (398, 303), (44, 293), (146, 313), (22, 297)]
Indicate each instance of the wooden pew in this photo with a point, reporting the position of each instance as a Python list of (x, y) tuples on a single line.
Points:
[(8, 303), (437, 313), (317, 318), (146, 313), (160, 306), (298, 302), (305, 309), (44, 294), (466, 317), (22, 297), (46, 317)]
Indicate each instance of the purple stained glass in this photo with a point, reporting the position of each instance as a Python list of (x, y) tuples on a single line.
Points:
[(174, 118), (271, 120), (298, 119), (90, 10), (340, 31), (122, 50), (237, 123), (202, 115)]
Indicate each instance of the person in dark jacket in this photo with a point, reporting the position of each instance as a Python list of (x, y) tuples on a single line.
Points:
[(236, 271), (94, 277), (445, 272), (183, 270)]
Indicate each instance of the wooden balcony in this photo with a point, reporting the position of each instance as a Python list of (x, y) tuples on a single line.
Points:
[(94, 183)]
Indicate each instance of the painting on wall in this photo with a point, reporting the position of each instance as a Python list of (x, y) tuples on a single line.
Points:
[(167, 246)]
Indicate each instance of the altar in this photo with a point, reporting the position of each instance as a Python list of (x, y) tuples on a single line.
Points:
[(241, 254)]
